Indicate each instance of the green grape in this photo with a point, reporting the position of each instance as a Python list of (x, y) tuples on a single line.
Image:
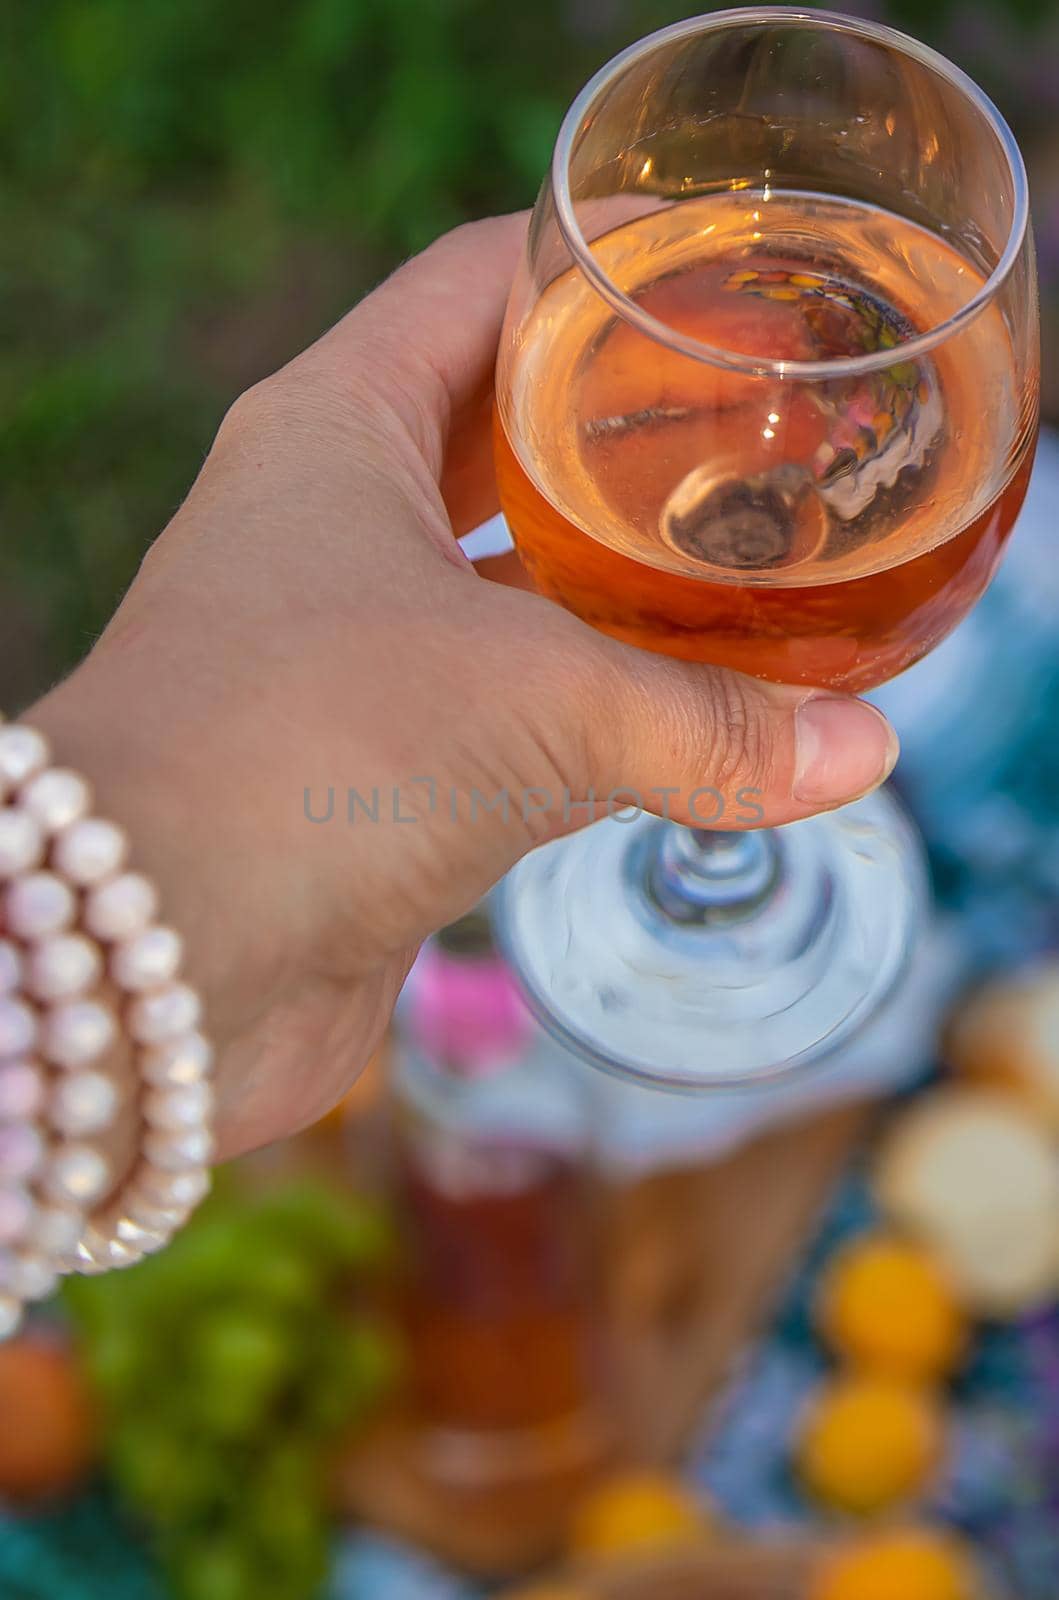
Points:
[(228, 1413), (293, 1550), (360, 1362), (214, 1569), (162, 1473), (299, 1563), (117, 1360), (340, 1230), (262, 1269), (230, 1364), (292, 1526), (235, 1347), (200, 1253), (207, 1258), (282, 1516), (285, 1279), (330, 1406), (371, 1350)]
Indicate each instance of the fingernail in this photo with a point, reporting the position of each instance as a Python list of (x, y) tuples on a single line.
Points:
[(843, 749)]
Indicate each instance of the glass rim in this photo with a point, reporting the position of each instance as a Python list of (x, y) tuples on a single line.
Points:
[(715, 355)]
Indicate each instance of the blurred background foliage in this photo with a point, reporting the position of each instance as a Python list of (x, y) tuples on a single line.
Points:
[(192, 189)]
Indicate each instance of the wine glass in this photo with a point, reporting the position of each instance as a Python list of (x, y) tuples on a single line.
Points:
[(767, 397)]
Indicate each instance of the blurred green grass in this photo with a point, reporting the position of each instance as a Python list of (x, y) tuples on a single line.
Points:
[(192, 189)]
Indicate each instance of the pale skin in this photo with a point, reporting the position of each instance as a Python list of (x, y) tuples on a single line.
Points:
[(307, 620)]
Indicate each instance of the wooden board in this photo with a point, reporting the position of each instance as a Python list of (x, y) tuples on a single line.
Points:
[(696, 1261), (721, 1572), (701, 1259), (492, 1529)]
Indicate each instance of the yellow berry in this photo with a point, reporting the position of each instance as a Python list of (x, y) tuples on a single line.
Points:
[(868, 1442), (637, 1510), (888, 1306), (904, 1564)]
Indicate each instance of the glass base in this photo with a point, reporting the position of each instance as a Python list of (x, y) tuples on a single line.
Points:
[(693, 960)]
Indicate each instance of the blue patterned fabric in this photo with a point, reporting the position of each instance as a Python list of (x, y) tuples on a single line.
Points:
[(999, 1483)]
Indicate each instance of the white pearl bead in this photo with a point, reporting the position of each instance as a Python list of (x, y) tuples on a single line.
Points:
[(121, 908), (30, 1277), (90, 851), (171, 1190), (55, 1230), (56, 798), (21, 842), (187, 1107), (23, 753), (190, 1187), (84, 1102), (18, 1026), (77, 1174), (151, 1243), (161, 1219), (10, 1315), (21, 1091), (17, 1214), (130, 1255), (151, 958), (38, 904), (21, 1150), (86, 1265), (186, 1059), (11, 976), (177, 1152), (105, 1250), (164, 1014), (63, 967), (77, 1033), (89, 1241), (135, 1236)]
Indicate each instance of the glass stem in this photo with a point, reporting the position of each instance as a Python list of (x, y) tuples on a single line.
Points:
[(707, 876)]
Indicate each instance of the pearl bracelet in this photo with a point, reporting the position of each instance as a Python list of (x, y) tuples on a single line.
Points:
[(83, 964)]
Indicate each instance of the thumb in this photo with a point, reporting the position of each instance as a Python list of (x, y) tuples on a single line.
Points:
[(703, 745), (546, 725)]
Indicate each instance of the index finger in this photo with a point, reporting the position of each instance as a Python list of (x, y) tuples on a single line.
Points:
[(426, 338)]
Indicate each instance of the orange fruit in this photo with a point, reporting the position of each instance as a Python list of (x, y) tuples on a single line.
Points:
[(868, 1442), (902, 1564), (636, 1511), (888, 1306), (47, 1435)]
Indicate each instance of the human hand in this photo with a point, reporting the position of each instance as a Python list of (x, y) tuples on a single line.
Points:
[(307, 623)]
